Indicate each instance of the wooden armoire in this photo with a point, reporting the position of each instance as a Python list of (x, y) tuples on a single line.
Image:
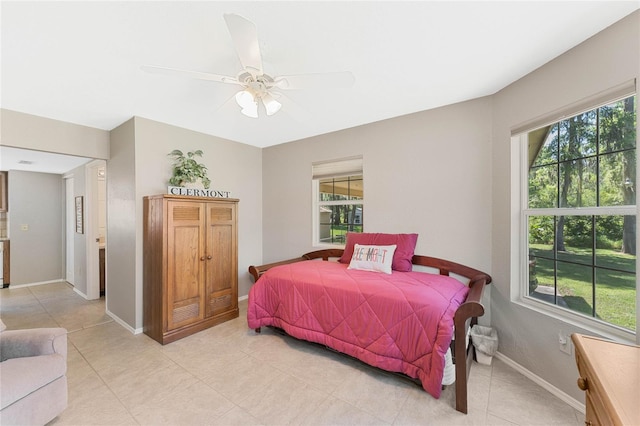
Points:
[(190, 264)]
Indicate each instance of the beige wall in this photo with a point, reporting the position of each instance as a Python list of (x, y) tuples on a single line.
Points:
[(42, 242), (123, 295), (602, 62), (28, 131), (428, 173)]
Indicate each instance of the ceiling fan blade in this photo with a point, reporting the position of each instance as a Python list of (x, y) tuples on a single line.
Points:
[(245, 40), (330, 80), (193, 74)]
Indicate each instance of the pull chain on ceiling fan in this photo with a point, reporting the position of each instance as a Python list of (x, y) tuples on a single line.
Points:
[(256, 85)]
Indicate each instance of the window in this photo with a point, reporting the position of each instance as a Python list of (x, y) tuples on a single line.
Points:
[(338, 200), (579, 214)]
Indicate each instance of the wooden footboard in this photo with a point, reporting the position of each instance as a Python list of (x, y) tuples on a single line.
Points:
[(465, 317)]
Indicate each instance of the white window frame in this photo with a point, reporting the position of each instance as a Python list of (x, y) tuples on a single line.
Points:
[(519, 271), (352, 166)]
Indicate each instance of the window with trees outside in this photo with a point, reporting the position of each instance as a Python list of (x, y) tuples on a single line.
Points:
[(580, 214), (338, 200)]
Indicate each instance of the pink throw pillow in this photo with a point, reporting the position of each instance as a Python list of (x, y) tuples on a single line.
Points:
[(406, 245)]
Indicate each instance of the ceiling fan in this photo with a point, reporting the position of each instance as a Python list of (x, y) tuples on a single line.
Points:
[(256, 85)]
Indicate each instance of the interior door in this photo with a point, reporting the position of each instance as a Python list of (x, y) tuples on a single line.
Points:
[(185, 263), (221, 263)]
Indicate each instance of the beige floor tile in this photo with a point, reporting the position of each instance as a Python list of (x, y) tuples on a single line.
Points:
[(284, 400), (526, 403), (127, 363), (497, 421), (196, 404), (31, 318), (109, 337), (334, 411), (90, 400), (203, 354), (325, 370), (478, 389), (142, 387), (580, 419), (237, 417), (12, 297), (55, 290), (78, 369), (376, 392), (422, 408), (244, 376), (76, 318)]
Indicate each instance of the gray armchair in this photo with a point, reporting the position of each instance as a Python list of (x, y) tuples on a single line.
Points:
[(33, 381)]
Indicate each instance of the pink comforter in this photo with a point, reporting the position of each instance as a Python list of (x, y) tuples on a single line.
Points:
[(401, 322)]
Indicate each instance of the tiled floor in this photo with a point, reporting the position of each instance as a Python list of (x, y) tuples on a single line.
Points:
[(228, 375)]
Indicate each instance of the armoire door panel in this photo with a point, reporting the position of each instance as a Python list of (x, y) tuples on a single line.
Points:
[(184, 263), (219, 268), (185, 270)]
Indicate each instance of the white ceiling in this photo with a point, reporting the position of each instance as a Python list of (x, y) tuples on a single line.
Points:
[(80, 61)]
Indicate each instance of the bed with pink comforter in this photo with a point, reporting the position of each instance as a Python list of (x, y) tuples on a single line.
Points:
[(400, 322)]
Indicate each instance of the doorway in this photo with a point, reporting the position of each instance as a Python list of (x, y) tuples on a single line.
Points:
[(85, 248), (95, 228)]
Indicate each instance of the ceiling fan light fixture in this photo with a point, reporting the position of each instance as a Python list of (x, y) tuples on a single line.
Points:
[(270, 104), (247, 102)]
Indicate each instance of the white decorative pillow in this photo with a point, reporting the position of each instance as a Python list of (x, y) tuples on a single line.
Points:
[(372, 258)]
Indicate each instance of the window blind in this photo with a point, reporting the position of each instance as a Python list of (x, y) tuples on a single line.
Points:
[(605, 97), (337, 168)]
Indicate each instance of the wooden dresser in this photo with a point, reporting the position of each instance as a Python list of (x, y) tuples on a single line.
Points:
[(610, 377), (190, 265)]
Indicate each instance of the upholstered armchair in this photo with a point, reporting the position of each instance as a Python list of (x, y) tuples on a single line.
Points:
[(33, 381)]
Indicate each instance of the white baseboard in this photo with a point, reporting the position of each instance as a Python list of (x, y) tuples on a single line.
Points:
[(565, 397), (241, 298), (84, 296), (34, 284), (123, 323)]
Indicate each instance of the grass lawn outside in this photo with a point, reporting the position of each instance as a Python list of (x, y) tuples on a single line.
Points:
[(615, 290), (339, 232)]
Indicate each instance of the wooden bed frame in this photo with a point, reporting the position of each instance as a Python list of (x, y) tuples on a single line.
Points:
[(465, 317)]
